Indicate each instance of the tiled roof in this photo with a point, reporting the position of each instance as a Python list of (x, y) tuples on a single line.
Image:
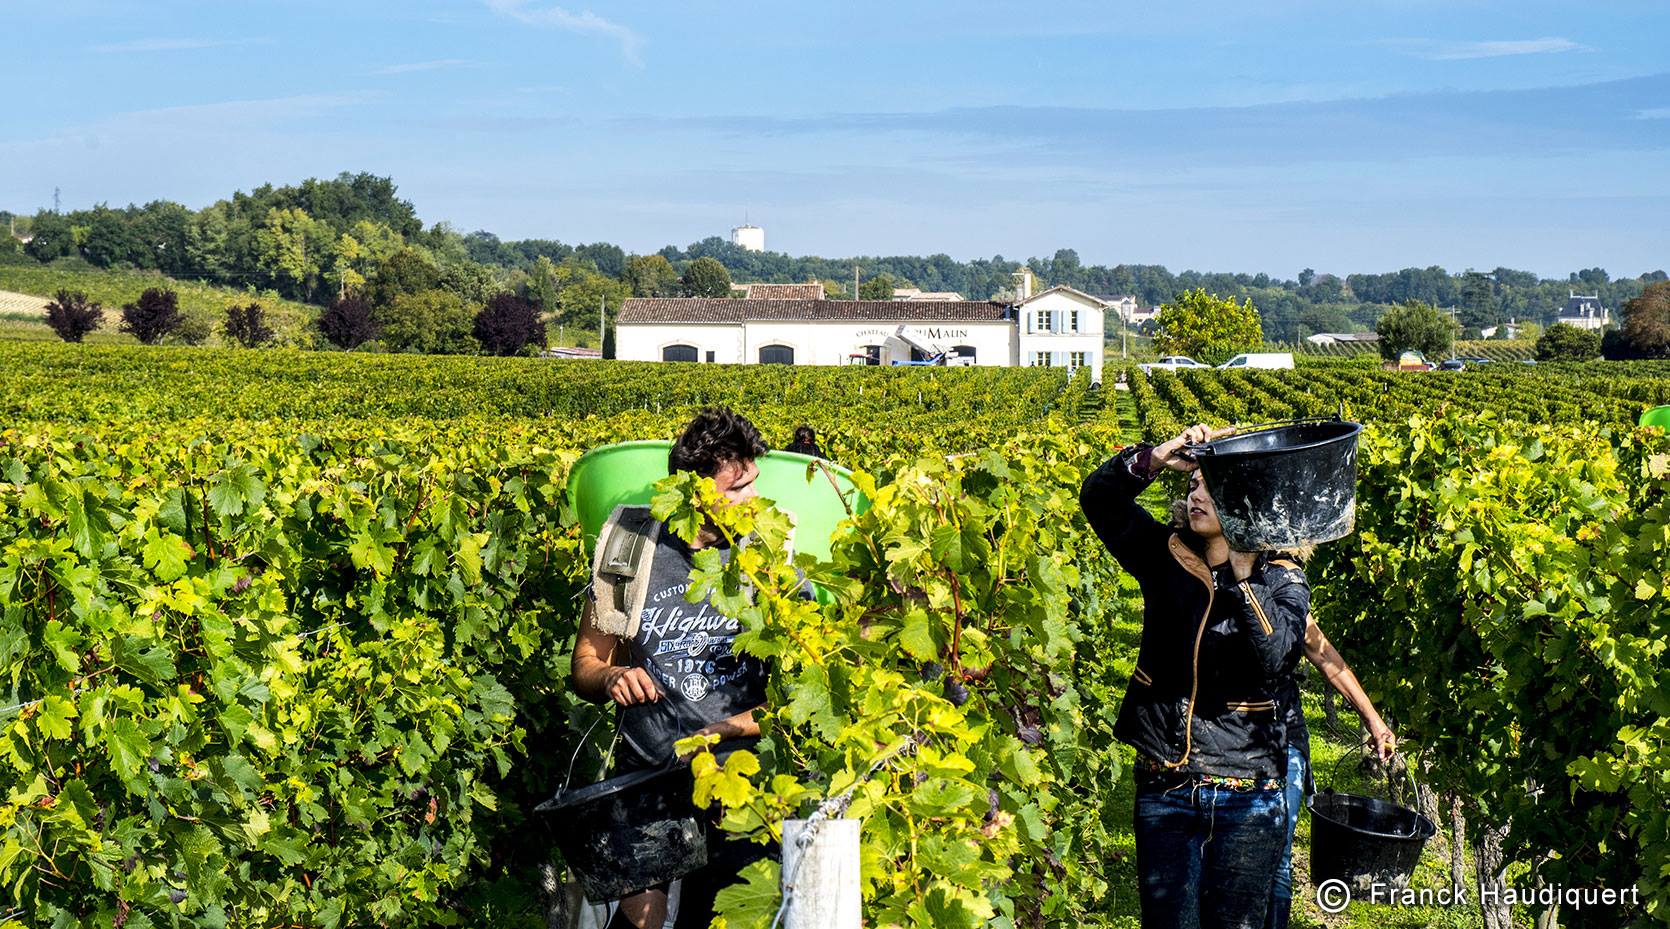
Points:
[(813, 291), (710, 310)]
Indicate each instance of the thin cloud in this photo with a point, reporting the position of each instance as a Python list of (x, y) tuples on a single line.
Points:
[(1605, 116), (1503, 48), (173, 45), (1657, 112), (585, 23), (415, 66), (260, 113)]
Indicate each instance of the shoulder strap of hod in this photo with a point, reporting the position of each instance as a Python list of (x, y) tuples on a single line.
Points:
[(620, 569)]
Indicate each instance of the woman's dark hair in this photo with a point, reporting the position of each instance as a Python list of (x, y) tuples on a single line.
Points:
[(716, 436), (803, 435)]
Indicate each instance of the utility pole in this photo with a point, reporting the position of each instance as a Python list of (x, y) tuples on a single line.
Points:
[(55, 200), (855, 280), (602, 316)]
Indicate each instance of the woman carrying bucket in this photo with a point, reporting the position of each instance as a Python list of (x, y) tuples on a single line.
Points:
[(1222, 632)]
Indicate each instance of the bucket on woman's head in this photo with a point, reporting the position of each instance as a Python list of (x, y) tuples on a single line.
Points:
[(1364, 841), (630, 832), (1657, 416), (1288, 486)]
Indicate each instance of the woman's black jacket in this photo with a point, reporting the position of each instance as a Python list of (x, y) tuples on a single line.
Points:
[(1215, 651)]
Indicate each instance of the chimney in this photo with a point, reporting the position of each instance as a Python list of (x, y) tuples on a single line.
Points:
[(1023, 284)]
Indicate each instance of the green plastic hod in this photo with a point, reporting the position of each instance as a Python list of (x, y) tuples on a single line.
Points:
[(607, 477), (1657, 416)]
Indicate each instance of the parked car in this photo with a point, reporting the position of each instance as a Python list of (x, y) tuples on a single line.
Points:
[(1527, 361), (1452, 364), (1171, 363), (1260, 360), (1477, 361)]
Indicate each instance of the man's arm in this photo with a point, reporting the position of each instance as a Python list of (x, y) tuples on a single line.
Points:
[(740, 726), (598, 670), (1328, 660)]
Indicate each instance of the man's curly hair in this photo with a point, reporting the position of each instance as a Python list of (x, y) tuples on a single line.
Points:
[(716, 436)]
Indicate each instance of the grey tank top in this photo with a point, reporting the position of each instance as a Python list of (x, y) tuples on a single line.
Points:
[(687, 650)]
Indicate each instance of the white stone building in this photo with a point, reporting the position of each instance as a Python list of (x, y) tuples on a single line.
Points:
[(1584, 312), (1060, 327)]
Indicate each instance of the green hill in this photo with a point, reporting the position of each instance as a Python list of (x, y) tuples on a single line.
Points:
[(201, 303)]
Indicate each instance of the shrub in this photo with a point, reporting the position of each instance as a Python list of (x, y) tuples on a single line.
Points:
[(194, 329), (434, 322), (507, 324), (247, 326), (1563, 342), (154, 315), (348, 322), (72, 315)]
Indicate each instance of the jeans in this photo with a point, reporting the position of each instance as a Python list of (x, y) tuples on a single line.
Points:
[(1281, 897), (1206, 855)]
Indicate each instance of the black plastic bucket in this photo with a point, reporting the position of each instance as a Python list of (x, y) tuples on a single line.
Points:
[(1282, 487), (630, 832), (1364, 841)]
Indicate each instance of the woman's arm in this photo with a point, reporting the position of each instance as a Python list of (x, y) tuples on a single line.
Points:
[(1269, 610), (1328, 660), (1109, 497)]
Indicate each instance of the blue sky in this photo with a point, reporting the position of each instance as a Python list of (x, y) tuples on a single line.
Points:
[(1270, 136)]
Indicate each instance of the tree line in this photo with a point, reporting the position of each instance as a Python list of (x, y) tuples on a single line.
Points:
[(322, 241)]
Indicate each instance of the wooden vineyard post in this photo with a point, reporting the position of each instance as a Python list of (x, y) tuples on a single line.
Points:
[(820, 874)]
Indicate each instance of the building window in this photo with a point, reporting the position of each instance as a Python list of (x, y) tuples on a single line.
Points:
[(776, 355), (1077, 360), (872, 354), (963, 351), (1040, 359), (679, 353), (710, 356), (1043, 320), (1072, 320)]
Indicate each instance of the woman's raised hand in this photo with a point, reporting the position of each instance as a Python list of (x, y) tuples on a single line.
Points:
[(1171, 454)]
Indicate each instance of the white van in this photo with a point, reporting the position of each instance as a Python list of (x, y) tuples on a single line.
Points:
[(1260, 360)]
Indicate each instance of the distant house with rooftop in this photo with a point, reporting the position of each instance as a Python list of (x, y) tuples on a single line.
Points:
[(936, 296), (808, 291), (1584, 312)]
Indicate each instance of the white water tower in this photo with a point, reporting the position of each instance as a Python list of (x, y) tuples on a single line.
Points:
[(748, 237)]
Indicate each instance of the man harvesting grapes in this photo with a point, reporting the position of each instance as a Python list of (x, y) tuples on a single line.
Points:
[(667, 663)]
